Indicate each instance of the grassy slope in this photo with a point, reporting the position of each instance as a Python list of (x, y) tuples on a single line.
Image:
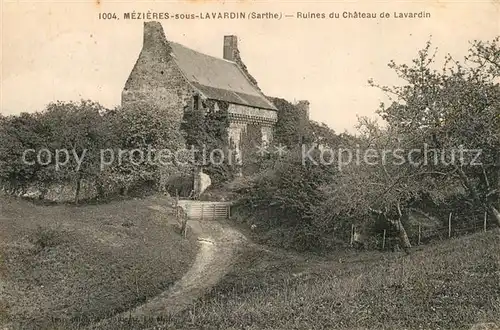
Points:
[(107, 258), (85, 262), (449, 285)]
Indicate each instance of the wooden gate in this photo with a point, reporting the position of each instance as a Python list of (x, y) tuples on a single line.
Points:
[(201, 210)]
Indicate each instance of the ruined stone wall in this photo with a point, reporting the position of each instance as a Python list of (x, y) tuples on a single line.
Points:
[(250, 127), (235, 133), (156, 78), (293, 126), (267, 134)]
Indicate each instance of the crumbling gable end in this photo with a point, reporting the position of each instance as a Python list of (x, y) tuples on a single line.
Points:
[(155, 77)]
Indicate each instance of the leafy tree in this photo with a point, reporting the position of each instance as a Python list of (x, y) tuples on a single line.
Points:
[(67, 131), (17, 134), (321, 134), (378, 181), (454, 108), (146, 145), (77, 128)]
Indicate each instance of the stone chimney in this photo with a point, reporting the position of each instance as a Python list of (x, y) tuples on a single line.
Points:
[(154, 37), (230, 48), (148, 80)]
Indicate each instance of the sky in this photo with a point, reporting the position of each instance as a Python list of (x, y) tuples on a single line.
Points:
[(61, 50)]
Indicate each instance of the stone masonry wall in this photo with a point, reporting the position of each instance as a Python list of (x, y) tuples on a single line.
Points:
[(237, 109), (156, 78), (250, 127)]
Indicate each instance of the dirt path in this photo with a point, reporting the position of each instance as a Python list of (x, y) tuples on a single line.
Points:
[(219, 246)]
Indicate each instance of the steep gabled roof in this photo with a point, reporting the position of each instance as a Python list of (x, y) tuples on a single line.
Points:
[(217, 78)]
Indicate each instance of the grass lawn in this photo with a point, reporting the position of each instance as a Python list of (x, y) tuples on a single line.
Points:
[(84, 263), (449, 285), (88, 262)]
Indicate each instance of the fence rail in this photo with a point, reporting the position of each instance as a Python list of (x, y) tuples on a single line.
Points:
[(422, 235)]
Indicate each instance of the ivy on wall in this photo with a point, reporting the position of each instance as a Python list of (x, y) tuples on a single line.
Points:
[(251, 138), (205, 129), (292, 128)]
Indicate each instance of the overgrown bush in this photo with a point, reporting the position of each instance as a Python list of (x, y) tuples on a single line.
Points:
[(93, 138), (181, 185), (281, 200)]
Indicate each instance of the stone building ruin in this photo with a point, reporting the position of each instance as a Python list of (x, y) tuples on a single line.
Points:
[(173, 76)]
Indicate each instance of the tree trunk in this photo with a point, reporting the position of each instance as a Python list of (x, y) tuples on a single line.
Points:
[(496, 214), (99, 188), (498, 186), (398, 225), (77, 192), (403, 236), (472, 190), (466, 182)]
